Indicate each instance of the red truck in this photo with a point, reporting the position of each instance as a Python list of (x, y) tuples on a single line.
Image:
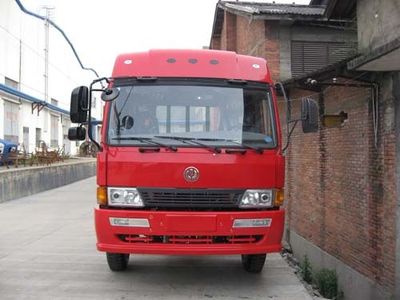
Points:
[(190, 159)]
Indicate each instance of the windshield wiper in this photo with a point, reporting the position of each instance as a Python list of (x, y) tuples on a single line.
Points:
[(247, 146), (188, 140), (145, 140), (213, 148)]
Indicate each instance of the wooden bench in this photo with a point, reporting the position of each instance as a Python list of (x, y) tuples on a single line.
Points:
[(45, 156), (16, 157)]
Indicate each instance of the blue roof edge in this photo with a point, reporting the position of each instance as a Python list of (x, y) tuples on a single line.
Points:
[(32, 99)]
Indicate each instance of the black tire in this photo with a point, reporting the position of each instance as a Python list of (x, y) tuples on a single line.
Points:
[(117, 261), (253, 263)]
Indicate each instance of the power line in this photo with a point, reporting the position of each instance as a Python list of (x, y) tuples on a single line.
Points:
[(61, 31), (38, 54)]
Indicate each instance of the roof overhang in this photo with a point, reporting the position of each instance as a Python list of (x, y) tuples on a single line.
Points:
[(382, 59), (336, 9), (218, 21), (9, 91), (313, 80), (275, 12)]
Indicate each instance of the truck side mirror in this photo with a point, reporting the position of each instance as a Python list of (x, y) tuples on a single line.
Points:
[(77, 133), (79, 104), (309, 115)]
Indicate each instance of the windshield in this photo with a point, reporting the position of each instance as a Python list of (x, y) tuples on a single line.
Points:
[(177, 113)]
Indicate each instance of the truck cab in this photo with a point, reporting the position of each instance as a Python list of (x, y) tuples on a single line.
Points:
[(190, 159)]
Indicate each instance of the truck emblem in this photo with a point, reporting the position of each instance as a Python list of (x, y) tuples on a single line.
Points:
[(191, 174)]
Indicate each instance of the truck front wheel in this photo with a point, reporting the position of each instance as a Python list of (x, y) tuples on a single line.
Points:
[(253, 263), (117, 261)]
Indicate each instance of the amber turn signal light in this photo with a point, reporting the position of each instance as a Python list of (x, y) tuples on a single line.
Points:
[(102, 195), (279, 198)]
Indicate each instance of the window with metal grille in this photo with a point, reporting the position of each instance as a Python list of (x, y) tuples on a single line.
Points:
[(54, 132), (11, 116), (311, 56), (38, 135), (25, 138)]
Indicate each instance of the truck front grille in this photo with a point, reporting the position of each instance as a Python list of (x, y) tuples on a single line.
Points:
[(183, 239), (190, 198)]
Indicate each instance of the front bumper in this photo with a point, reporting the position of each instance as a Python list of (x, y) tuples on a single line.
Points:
[(189, 233)]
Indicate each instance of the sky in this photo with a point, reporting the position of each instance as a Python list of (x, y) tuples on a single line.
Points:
[(100, 29)]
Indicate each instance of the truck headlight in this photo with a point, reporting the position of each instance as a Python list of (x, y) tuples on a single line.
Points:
[(257, 199), (124, 197)]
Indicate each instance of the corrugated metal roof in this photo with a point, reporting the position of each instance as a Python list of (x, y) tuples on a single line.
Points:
[(257, 8)]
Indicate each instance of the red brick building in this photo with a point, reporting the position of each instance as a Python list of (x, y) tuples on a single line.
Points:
[(341, 182)]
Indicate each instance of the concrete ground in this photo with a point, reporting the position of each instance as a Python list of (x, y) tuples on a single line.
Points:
[(47, 251)]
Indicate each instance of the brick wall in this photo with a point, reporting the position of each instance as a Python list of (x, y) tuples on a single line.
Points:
[(272, 48), (251, 37), (228, 34), (341, 189), (215, 42)]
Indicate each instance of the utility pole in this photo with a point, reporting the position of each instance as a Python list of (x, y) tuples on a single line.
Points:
[(48, 14)]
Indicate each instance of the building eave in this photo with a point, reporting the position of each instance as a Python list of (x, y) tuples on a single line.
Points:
[(247, 11), (28, 98), (338, 69), (385, 58), (217, 23), (253, 12)]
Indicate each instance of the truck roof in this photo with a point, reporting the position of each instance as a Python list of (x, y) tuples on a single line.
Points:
[(191, 63)]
